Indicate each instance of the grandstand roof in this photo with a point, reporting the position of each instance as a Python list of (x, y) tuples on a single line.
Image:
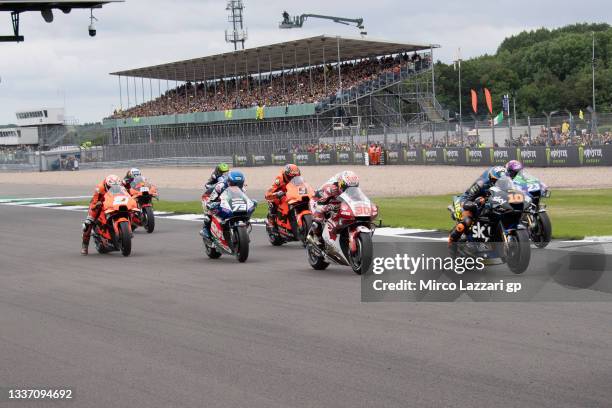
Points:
[(322, 48)]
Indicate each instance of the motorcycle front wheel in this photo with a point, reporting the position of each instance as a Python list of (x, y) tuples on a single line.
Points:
[(362, 258), (149, 219), (126, 238), (543, 234), (241, 243), (519, 251)]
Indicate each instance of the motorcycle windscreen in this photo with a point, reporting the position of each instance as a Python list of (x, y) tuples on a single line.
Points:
[(358, 202), (234, 202), (139, 181)]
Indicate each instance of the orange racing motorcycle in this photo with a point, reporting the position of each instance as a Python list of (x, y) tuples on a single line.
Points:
[(143, 192), (113, 230), (293, 218)]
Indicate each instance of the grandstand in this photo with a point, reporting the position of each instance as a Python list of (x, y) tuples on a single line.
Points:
[(276, 97)]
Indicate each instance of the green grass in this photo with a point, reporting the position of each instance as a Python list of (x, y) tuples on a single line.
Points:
[(574, 213)]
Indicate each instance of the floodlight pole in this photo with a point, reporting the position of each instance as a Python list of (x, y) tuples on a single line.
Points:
[(127, 90)]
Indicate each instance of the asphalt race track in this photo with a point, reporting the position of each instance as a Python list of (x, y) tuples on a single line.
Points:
[(167, 327)]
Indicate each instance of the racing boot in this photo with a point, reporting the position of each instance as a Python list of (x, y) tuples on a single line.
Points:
[(271, 219), (87, 227), (314, 237), (205, 231)]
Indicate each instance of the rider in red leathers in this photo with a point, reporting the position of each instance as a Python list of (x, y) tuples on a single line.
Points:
[(95, 206), (326, 200)]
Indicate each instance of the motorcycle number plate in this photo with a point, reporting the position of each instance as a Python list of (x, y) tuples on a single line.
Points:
[(363, 211), (144, 189), (239, 205)]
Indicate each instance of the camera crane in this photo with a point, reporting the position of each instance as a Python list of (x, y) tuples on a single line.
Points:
[(298, 21)]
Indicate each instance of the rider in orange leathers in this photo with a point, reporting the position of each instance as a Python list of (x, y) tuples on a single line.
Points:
[(277, 191), (95, 206)]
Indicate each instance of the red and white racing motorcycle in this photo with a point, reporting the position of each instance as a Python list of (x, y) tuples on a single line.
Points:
[(347, 233)]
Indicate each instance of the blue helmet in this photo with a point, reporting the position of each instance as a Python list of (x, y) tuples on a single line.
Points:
[(496, 173), (235, 178)]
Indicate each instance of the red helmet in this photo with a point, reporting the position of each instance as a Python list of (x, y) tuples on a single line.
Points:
[(110, 180), (291, 171)]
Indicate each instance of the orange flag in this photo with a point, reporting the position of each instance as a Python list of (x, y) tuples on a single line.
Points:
[(474, 101), (488, 99)]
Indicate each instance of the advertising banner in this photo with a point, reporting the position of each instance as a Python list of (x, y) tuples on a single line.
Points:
[(501, 155), (412, 156), (240, 161), (304, 159), (454, 155), (358, 158), (343, 157), (477, 157), (260, 160), (562, 156), (325, 158), (433, 156), (532, 156), (595, 156), (393, 157), (282, 159)]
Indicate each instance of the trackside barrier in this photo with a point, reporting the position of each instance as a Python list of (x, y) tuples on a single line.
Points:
[(535, 156)]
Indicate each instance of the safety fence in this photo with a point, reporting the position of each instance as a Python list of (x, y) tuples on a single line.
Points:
[(536, 156)]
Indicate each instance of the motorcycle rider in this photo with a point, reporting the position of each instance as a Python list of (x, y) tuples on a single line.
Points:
[(221, 170), (325, 199), (277, 191), (130, 176), (472, 201), (95, 206), (233, 178), (513, 168)]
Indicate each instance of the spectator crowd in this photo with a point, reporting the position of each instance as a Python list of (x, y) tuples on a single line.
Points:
[(307, 85)]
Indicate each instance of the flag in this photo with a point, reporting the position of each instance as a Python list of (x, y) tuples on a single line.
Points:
[(581, 115), (498, 119), (228, 113), (474, 101), (488, 100)]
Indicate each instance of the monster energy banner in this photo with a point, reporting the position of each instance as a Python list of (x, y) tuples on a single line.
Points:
[(282, 159), (358, 158), (530, 156), (454, 155), (393, 157), (344, 158)]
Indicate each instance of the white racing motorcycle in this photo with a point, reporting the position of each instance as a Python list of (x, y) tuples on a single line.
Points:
[(347, 234)]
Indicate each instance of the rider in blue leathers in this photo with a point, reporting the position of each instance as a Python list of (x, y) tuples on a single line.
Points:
[(233, 178)]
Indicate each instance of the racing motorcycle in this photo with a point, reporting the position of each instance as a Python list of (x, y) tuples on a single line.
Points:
[(536, 217), (497, 232), (112, 230), (347, 234), (144, 192), (230, 225), (293, 217)]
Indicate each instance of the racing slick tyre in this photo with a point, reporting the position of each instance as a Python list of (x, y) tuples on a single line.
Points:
[(242, 243), (543, 235), (125, 236), (150, 219), (362, 258), (519, 251), (316, 262)]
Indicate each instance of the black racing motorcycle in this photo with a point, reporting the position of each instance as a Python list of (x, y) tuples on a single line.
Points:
[(497, 232)]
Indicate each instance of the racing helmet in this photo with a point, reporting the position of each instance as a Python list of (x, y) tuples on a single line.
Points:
[(347, 179), (133, 173), (111, 180), (513, 167), (235, 178), (496, 173), (221, 168), (290, 171)]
